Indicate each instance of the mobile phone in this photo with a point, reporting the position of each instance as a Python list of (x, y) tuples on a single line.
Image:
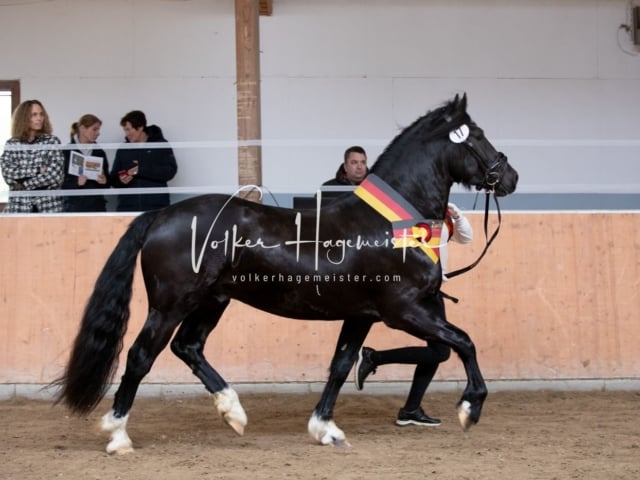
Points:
[(123, 172)]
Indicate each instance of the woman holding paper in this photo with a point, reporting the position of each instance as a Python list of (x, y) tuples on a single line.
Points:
[(85, 166)]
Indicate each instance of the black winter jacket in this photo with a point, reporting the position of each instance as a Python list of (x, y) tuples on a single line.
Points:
[(339, 180), (156, 166)]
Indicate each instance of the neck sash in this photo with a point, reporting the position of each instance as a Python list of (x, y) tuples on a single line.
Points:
[(409, 229)]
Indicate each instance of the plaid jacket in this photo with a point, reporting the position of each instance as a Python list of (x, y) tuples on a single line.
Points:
[(36, 169)]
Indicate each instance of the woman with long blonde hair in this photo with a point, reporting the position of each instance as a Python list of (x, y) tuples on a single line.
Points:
[(31, 161)]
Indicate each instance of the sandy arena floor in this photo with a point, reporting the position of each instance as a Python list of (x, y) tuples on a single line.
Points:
[(545, 435)]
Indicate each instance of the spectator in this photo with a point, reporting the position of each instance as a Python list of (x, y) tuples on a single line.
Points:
[(84, 133), (142, 167), (427, 358), (27, 166), (350, 172)]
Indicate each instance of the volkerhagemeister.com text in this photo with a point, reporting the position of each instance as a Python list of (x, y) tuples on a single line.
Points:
[(313, 278)]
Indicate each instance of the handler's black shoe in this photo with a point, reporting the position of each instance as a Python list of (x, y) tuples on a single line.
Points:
[(416, 417), (364, 366)]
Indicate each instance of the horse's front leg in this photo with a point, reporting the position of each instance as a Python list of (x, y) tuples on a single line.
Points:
[(426, 320), (321, 425), (470, 404)]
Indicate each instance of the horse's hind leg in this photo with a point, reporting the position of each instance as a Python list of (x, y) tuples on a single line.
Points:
[(153, 338), (188, 345), (321, 425)]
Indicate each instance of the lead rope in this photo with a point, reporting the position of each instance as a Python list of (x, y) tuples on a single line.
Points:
[(489, 240)]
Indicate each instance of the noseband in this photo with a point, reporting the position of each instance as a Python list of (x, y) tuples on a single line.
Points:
[(494, 169)]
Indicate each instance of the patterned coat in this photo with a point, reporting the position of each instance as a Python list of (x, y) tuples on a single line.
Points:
[(35, 169)]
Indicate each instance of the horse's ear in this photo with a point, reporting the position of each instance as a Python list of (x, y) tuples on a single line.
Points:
[(463, 102)]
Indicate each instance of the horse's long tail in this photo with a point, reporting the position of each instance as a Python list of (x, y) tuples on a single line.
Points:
[(93, 359)]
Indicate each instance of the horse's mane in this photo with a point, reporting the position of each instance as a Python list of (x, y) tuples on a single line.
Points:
[(434, 124)]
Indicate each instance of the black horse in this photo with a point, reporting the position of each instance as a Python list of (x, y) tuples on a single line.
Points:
[(366, 257)]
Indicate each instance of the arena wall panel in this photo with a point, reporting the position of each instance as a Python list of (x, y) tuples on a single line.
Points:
[(556, 297)]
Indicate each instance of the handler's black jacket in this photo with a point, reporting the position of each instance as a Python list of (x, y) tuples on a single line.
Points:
[(156, 166)]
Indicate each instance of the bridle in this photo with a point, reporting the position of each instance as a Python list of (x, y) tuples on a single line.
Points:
[(492, 177), (494, 169)]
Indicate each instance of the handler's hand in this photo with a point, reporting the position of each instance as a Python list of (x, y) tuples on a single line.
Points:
[(453, 211)]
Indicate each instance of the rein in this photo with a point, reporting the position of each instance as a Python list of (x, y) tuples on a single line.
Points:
[(493, 175), (489, 241)]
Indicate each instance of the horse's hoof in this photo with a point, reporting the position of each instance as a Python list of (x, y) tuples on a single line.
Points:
[(326, 432), (237, 426), (229, 408), (120, 442), (341, 443), (117, 448), (464, 415)]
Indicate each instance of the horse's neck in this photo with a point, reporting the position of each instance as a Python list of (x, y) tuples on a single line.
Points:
[(426, 188)]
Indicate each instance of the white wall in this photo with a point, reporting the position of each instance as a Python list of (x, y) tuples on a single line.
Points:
[(549, 81)]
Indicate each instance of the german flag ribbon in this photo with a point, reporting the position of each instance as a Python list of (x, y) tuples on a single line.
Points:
[(409, 229)]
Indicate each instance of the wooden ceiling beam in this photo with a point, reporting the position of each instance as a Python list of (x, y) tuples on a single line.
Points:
[(266, 7)]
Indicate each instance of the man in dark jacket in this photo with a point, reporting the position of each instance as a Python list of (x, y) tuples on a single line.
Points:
[(142, 167), (351, 171)]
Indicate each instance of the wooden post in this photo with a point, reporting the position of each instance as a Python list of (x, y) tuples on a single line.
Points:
[(248, 92)]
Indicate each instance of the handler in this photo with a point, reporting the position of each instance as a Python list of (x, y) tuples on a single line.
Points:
[(428, 358)]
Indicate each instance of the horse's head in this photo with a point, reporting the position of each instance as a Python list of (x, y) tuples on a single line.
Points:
[(476, 163), (443, 147)]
